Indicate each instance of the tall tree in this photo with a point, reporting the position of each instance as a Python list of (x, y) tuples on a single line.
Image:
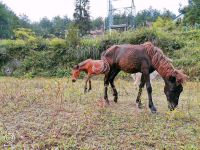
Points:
[(24, 21), (191, 12), (97, 23), (8, 21), (146, 15), (59, 26), (150, 15), (82, 16), (43, 28)]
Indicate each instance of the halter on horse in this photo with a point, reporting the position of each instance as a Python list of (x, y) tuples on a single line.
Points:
[(143, 58)]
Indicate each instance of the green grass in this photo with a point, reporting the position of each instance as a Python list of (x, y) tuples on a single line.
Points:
[(53, 113)]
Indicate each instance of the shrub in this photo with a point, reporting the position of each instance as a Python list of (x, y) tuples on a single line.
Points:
[(55, 56)]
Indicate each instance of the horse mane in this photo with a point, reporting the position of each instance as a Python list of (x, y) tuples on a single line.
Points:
[(163, 64), (84, 62)]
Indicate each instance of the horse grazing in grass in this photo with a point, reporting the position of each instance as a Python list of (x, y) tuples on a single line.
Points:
[(144, 58), (92, 68)]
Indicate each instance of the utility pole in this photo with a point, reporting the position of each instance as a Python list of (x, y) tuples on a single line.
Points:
[(128, 11)]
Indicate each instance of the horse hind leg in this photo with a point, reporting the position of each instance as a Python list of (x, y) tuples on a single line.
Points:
[(106, 83), (141, 86), (86, 81), (111, 80)]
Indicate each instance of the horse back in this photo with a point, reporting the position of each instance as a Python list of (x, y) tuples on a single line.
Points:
[(128, 58)]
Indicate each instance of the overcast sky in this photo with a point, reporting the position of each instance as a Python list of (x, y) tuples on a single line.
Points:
[(37, 9)]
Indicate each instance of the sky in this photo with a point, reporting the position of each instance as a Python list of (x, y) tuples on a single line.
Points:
[(37, 9)]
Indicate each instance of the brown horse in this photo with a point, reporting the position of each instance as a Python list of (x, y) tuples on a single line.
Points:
[(143, 58), (92, 68)]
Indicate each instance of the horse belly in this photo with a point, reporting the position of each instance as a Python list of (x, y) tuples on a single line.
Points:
[(128, 66)]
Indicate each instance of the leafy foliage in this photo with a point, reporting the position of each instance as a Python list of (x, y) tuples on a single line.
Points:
[(164, 24), (72, 35), (150, 15), (97, 23), (191, 12), (46, 56), (8, 22)]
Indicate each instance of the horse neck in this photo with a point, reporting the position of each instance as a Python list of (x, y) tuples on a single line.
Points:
[(160, 62), (83, 66)]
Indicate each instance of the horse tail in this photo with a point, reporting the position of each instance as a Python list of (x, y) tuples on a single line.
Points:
[(106, 67), (107, 55), (102, 54)]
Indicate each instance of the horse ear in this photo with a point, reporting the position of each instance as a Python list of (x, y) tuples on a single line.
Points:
[(180, 76)]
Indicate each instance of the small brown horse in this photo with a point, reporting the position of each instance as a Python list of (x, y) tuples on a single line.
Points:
[(143, 58), (92, 68)]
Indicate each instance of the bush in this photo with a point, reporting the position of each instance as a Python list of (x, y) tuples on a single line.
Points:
[(55, 56)]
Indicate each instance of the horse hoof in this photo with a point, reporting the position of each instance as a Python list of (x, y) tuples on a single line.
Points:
[(107, 101), (85, 91), (137, 101), (140, 106), (115, 100)]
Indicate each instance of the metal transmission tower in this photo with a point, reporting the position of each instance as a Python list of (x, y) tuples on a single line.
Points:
[(128, 10)]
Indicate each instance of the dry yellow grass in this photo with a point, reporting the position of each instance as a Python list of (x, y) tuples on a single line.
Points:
[(54, 113)]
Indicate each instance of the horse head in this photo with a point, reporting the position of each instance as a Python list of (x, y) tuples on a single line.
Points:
[(75, 73), (173, 88)]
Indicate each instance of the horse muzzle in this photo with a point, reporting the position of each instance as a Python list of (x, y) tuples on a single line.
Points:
[(171, 106)]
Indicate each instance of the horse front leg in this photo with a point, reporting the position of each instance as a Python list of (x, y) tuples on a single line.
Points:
[(149, 91), (141, 86), (90, 86)]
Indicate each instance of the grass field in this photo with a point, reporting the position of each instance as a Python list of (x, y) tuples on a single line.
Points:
[(55, 114)]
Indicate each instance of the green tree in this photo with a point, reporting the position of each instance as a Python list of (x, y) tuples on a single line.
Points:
[(43, 28), (59, 26), (24, 21), (8, 22), (191, 12), (82, 16), (149, 15), (122, 19), (51, 28), (72, 35), (97, 23)]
